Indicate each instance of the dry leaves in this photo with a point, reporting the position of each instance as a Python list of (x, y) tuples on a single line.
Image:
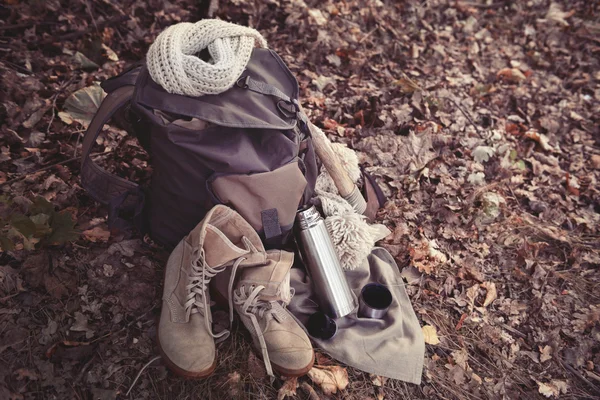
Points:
[(511, 74), (540, 138), (97, 234), (545, 353), (430, 335), (288, 389), (82, 105), (329, 378), (491, 294), (553, 388), (427, 257)]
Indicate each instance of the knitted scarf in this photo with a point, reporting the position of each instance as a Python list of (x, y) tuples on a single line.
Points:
[(174, 64)]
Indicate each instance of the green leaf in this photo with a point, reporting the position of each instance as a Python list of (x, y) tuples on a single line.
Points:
[(23, 224), (41, 206), (42, 225), (63, 228), (6, 244), (82, 105)]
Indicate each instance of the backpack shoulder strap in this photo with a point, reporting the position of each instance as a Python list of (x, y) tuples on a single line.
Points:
[(103, 186), (120, 195)]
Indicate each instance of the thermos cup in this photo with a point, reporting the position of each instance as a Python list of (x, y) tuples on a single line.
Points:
[(375, 299), (318, 253)]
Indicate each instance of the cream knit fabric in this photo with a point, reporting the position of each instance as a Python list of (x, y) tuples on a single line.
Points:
[(352, 236), (174, 64)]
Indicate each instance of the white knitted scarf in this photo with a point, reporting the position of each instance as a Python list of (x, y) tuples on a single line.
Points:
[(174, 64)]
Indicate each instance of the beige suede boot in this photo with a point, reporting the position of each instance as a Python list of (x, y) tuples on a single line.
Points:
[(260, 296), (223, 240)]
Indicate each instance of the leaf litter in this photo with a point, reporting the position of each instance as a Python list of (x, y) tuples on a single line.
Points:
[(479, 120)]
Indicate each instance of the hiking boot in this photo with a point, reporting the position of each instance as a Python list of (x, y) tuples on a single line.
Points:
[(222, 240), (260, 299)]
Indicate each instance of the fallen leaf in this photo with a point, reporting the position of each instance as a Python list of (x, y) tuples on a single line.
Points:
[(476, 178), (511, 74), (329, 378), (23, 373), (430, 335), (553, 388), (82, 105), (378, 380), (288, 389), (85, 62), (104, 394), (556, 14), (491, 294), (540, 138), (81, 325), (545, 353), (426, 257), (317, 16), (111, 55), (407, 85), (97, 234), (483, 153)]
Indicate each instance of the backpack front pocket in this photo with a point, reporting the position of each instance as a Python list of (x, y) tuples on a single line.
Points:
[(267, 200)]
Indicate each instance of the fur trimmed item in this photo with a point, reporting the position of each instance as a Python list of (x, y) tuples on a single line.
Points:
[(352, 236)]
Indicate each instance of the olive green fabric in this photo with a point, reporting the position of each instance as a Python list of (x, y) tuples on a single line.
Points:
[(393, 346)]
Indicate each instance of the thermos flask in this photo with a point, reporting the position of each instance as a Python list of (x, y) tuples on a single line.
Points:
[(318, 253)]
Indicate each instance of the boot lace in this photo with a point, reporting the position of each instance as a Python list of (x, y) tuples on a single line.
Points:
[(197, 301), (252, 306)]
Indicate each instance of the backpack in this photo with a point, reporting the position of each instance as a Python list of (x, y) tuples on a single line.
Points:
[(244, 148)]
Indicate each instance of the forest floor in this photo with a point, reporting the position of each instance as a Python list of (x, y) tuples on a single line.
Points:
[(479, 119)]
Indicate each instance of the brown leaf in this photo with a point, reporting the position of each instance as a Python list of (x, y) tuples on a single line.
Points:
[(545, 353), (23, 373), (511, 74), (378, 380), (288, 389), (329, 378), (329, 124), (491, 294), (256, 367), (55, 287), (97, 234), (426, 256), (540, 138), (553, 388), (430, 335)]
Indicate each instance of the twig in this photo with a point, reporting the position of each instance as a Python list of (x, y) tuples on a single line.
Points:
[(53, 106), (24, 25), (467, 116), (579, 375), (312, 395), (484, 6), (140, 373), (52, 166), (368, 34)]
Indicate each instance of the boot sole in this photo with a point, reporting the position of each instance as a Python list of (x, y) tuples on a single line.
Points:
[(292, 373), (182, 372)]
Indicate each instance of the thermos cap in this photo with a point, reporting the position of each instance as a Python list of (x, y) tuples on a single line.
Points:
[(321, 326), (307, 217)]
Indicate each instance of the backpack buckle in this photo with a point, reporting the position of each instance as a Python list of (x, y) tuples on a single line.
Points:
[(287, 109), (243, 82)]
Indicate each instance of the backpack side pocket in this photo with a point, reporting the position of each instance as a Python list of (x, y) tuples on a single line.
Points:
[(267, 200)]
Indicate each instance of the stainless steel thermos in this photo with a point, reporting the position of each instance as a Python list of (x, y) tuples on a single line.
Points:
[(323, 265)]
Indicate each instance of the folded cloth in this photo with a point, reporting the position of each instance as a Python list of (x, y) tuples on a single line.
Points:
[(393, 346)]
